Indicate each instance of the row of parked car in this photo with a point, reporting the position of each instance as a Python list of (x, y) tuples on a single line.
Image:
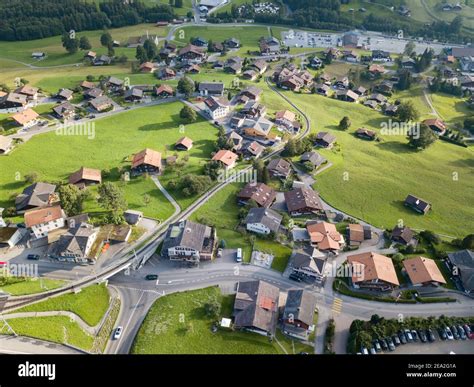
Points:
[(455, 332)]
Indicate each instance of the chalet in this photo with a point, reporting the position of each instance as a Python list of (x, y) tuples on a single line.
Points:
[(252, 93), (384, 87), (40, 222), (269, 46), (184, 144), (232, 43), (279, 168), (423, 272), (189, 241), (436, 125), (6, 145), (324, 78), (356, 234), (259, 128), (146, 161), (260, 193), (325, 237), (350, 56), (26, 119), (233, 68), (217, 108), (254, 149), (102, 104), (419, 205), (390, 109), (309, 264), (164, 91), (287, 119), (298, 314), (192, 68), (85, 177), (462, 264), (376, 69), (408, 63), (227, 158), (191, 53), (360, 91), (260, 66), (314, 158), (373, 271), (381, 56), (303, 200), (133, 217), (253, 110), (166, 73), (378, 98), (366, 134), (263, 220), (347, 95), (134, 94), (13, 100), (147, 67), (293, 83), (250, 75), (93, 93), (341, 83), (235, 140), (467, 64), (403, 235), (237, 120), (102, 60), (90, 55), (322, 89), (86, 85), (325, 139), (332, 52), (30, 92), (76, 244), (216, 47), (199, 42), (65, 95), (35, 196), (64, 110), (218, 65), (10, 236), (211, 88), (315, 63), (135, 41)]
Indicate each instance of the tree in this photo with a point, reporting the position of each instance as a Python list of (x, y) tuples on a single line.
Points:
[(409, 48), (422, 138), (31, 177), (345, 123), (106, 39), (71, 45), (407, 112), (212, 308), (430, 236), (188, 114), (110, 51), (141, 55), (468, 242), (178, 3), (150, 48), (111, 197), (186, 86), (404, 80), (72, 199), (194, 185), (212, 169), (84, 43)]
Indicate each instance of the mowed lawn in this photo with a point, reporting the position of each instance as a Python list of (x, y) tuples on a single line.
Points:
[(370, 180), (90, 304), (30, 286), (178, 324), (117, 138)]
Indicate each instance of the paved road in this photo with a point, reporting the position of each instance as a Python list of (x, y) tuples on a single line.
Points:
[(24, 345)]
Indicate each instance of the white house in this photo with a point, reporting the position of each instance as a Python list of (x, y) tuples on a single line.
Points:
[(44, 220), (217, 107), (11, 235)]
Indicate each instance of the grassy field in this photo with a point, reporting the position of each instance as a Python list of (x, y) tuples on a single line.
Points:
[(450, 108), (59, 330), (371, 180), (430, 10), (17, 287), (116, 139), (90, 304), (178, 324)]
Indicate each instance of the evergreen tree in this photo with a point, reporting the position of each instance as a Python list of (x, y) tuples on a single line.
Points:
[(71, 45), (423, 139), (141, 55), (84, 43), (106, 39), (150, 48)]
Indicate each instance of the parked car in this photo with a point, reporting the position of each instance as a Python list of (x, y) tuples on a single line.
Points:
[(461, 332), (442, 333), (383, 343), (295, 277), (219, 253), (455, 332), (402, 337), (34, 257), (422, 335), (469, 332), (396, 340), (364, 351), (408, 335), (431, 336), (151, 277), (377, 346), (391, 346), (118, 333), (373, 351), (414, 335), (449, 334)]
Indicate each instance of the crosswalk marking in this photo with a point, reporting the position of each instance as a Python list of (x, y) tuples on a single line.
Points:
[(337, 305)]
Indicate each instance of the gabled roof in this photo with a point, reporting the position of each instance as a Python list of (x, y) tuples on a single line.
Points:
[(300, 305), (374, 267), (64, 107), (422, 270), (226, 157), (404, 233), (5, 143), (313, 157), (185, 142), (265, 216), (43, 215), (356, 232), (147, 157), (301, 199), (261, 193), (25, 116), (86, 174), (464, 262), (325, 235), (37, 195), (280, 166), (187, 234), (27, 90), (164, 88)]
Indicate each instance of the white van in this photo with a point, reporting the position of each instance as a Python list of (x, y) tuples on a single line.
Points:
[(238, 256)]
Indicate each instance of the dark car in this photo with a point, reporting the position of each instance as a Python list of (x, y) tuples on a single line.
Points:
[(377, 346), (442, 334), (295, 277), (455, 332), (151, 277), (383, 343), (414, 334), (396, 340), (461, 332), (469, 332), (391, 346), (408, 335), (402, 337), (422, 335), (34, 257), (431, 336)]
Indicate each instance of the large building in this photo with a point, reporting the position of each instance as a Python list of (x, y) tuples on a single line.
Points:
[(304, 200), (462, 267), (373, 271), (36, 195), (423, 272), (325, 237), (42, 221), (146, 161), (189, 241), (298, 315)]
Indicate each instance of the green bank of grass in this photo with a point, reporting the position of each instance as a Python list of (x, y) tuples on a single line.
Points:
[(58, 329), (90, 304), (178, 324), (370, 180), (20, 286), (116, 139)]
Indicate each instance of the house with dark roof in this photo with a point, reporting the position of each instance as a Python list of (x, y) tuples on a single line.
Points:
[(403, 235), (263, 220), (133, 217), (65, 95), (102, 104), (64, 110), (256, 307), (134, 94), (325, 139), (279, 168), (308, 264), (260, 193), (303, 200), (366, 134), (232, 43), (35, 196), (298, 314), (419, 205), (211, 89), (189, 241), (235, 140), (462, 265), (314, 158)]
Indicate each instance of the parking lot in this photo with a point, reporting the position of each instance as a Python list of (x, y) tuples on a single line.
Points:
[(438, 347)]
